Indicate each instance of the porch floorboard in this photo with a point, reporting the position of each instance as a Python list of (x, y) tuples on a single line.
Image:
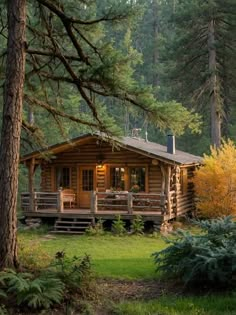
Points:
[(86, 213)]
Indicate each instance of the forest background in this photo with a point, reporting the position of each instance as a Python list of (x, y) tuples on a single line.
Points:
[(184, 49)]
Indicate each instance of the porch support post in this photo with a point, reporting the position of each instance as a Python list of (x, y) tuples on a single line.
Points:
[(163, 203), (60, 204), (167, 188), (94, 202), (130, 203), (31, 169), (163, 189)]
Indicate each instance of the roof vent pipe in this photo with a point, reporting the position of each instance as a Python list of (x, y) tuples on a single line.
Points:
[(171, 144)]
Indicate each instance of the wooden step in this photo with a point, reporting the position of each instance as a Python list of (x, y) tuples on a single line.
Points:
[(71, 226), (74, 222)]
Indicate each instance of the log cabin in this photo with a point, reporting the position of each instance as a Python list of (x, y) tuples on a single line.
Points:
[(92, 177)]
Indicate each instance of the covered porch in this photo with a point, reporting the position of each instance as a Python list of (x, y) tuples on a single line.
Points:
[(101, 203)]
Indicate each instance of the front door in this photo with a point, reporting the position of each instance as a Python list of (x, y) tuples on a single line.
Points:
[(86, 185)]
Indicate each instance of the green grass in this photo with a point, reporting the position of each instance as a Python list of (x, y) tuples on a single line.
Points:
[(207, 305), (127, 257)]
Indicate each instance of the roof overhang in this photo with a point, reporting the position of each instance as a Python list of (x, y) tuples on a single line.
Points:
[(47, 153)]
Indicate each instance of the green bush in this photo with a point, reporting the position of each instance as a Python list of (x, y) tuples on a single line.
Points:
[(137, 226), (71, 271), (96, 230), (51, 285), (118, 226), (206, 258), (3, 310), (35, 292)]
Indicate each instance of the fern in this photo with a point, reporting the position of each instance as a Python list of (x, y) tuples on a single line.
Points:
[(40, 292), (43, 292)]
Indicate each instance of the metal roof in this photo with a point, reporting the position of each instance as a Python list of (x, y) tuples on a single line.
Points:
[(160, 151), (147, 148)]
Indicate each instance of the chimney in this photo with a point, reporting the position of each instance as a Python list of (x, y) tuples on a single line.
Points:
[(171, 144)]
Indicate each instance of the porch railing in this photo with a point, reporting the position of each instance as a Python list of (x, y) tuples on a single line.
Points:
[(105, 202), (128, 202), (40, 201)]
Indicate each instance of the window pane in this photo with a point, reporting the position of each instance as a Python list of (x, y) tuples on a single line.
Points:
[(137, 178), (87, 180), (63, 177), (117, 178)]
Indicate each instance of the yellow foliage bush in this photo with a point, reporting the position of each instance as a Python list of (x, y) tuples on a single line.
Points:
[(32, 255), (215, 182)]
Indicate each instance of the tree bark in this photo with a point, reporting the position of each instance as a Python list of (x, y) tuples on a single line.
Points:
[(215, 106), (155, 14), (11, 129)]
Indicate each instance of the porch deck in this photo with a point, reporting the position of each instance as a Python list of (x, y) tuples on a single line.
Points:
[(102, 205)]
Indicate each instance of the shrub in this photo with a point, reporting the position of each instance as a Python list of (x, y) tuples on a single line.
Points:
[(137, 226), (215, 182), (33, 256), (35, 292), (3, 310), (71, 271), (209, 257), (118, 226), (96, 230), (51, 285)]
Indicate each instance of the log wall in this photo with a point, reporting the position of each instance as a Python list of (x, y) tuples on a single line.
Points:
[(88, 154), (185, 191), (173, 181), (154, 179)]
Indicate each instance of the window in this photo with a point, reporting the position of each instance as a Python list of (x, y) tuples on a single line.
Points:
[(63, 177), (117, 176), (87, 180), (137, 179)]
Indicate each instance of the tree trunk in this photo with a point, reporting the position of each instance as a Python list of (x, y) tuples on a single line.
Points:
[(155, 15), (226, 96), (11, 128), (215, 103)]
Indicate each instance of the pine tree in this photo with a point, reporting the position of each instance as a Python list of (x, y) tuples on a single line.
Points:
[(203, 73)]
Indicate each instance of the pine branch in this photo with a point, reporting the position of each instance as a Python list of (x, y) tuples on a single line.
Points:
[(52, 54), (108, 17), (53, 111)]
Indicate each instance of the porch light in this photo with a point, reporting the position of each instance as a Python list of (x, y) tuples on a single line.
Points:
[(100, 161)]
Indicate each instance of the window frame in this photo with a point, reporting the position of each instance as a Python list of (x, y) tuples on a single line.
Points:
[(127, 175), (56, 187)]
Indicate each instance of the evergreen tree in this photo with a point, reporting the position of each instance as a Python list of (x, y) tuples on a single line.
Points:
[(201, 59)]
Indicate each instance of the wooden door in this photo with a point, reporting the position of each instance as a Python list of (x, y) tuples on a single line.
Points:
[(86, 185)]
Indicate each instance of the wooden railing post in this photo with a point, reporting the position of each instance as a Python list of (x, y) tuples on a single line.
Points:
[(130, 203), (163, 203), (60, 205), (31, 201), (35, 205), (94, 202)]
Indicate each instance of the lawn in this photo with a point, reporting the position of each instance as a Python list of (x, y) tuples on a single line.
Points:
[(127, 257), (167, 305)]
